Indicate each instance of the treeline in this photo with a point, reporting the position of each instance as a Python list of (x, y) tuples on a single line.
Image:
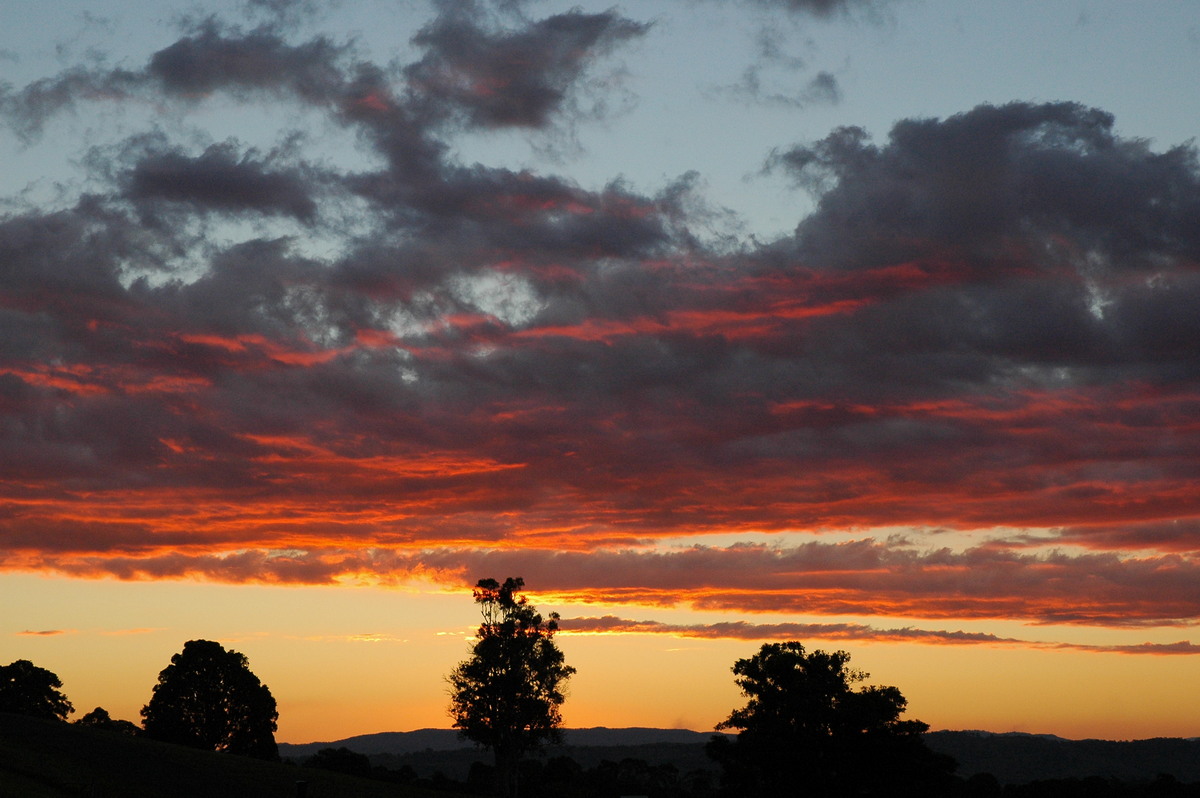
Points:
[(563, 777), (206, 698), (554, 776), (1016, 758)]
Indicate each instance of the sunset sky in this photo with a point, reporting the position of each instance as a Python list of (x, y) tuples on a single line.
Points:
[(869, 324)]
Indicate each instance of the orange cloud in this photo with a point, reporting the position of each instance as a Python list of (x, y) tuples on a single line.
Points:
[(862, 578)]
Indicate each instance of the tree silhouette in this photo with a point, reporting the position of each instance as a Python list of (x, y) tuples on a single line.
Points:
[(26, 689), (99, 718), (506, 696), (208, 698), (340, 760), (806, 729)]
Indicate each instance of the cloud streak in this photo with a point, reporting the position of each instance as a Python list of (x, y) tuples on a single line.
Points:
[(741, 630)]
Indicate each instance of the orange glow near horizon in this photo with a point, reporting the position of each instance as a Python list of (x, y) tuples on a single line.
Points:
[(343, 661)]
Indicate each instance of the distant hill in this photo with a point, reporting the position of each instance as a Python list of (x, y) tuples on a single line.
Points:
[(47, 759), (1012, 758), (382, 743), (448, 740), (1017, 758)]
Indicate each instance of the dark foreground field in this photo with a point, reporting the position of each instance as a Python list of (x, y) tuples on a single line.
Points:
[(42, 759)]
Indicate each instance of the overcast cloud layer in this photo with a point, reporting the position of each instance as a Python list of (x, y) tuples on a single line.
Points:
[(265, 364)]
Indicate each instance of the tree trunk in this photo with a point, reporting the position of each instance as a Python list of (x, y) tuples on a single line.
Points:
[(508, 759)]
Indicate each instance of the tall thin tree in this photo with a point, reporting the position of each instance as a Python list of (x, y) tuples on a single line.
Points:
[(506, 695)]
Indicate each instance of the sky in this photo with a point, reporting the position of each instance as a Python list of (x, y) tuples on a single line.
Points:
[(862, 323)]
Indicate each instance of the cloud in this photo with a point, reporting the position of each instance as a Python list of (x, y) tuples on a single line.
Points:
[(211, 58), (27, 111), (857, 578), (215, 58), (816, 8), (220, 179), (741, 630), (512, 78), (1177, 534), (276, 364), (821, 89), (1019, 171), (757, 85), (44, 632)]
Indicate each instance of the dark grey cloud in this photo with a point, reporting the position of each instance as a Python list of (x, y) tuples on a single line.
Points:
[(820, 8), (210, 57), (513, 78), (214, 57), (1027, 224), (815, 8), (220, 179), (1017, 171)]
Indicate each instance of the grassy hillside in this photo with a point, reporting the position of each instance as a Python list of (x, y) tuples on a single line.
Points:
[(42, 759)]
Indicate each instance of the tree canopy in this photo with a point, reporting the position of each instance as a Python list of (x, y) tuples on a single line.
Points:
[(208, 698), (806, 729), (506, 695), (340, 760), (26, 689), (99, 718)]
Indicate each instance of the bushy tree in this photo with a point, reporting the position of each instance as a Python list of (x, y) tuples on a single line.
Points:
[(99, 718), (506, 696), (26, 689), (807, 730), (208, 698), (340, 760)]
